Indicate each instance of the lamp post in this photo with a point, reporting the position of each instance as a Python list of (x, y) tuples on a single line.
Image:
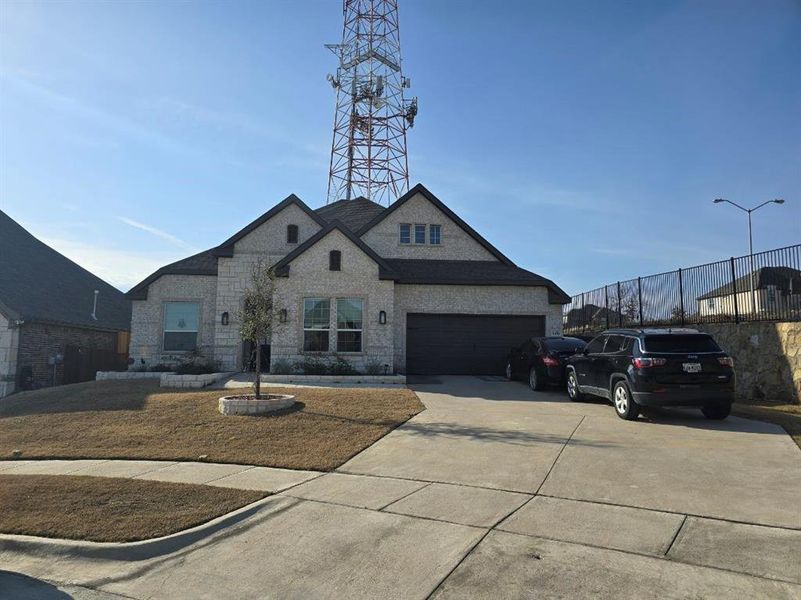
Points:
[(750, 240)]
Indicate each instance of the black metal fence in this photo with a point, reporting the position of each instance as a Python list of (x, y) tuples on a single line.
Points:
[(759, 287)]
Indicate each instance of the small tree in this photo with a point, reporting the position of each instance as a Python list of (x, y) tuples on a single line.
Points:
[(256, 316)]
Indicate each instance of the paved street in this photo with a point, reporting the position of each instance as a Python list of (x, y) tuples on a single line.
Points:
[(495, 491)]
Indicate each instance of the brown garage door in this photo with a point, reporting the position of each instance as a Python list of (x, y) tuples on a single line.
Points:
[(440, 344)]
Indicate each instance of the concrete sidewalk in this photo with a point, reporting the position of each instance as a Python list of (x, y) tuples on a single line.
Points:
[(493, 492), (244, 477)]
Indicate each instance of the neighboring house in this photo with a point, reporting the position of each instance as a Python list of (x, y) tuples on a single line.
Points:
[(776, 289), (592, 317), (412, 288), (54, 327)]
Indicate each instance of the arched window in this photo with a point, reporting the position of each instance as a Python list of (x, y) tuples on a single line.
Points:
[(335, 260), (291, 234)]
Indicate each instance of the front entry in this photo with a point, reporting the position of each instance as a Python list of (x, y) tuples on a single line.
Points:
[(447, 344)]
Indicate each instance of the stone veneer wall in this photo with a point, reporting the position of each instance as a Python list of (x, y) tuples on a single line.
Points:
[(475, 300), (767, 358), (147, 317), (268, 244), (456, 243), (39, 341), (9, 345), (309, 277)]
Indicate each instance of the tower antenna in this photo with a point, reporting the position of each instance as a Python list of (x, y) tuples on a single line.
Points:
[(368, 152)]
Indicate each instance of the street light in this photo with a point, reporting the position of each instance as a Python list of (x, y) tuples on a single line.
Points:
[(750, 239)]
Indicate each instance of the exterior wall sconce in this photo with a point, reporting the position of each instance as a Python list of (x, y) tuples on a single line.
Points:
[(282, 315), (382, 317), (225, 318)]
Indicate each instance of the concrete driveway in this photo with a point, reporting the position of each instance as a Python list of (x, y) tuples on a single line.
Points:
[(497, 491)]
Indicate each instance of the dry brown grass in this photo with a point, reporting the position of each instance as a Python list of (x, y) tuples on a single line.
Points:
[(104, 509), (139, 420), (785, 415)]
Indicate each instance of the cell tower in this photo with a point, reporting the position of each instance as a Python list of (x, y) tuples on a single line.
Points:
[(368, 153)]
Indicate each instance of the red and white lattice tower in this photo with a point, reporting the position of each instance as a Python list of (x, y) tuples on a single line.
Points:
[(368, 153)]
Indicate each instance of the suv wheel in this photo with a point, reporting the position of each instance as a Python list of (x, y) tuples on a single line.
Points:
[(718, 412), (508, 371), (625, 407), (572, 387), (534, 382)]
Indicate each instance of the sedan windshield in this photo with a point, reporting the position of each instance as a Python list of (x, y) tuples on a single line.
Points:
[(680, 343), (567, 345)]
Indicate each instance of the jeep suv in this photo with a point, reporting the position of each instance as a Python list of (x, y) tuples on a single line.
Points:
[(654, 367)]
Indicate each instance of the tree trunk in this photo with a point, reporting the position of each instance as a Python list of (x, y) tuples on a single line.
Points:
[(258, 370)]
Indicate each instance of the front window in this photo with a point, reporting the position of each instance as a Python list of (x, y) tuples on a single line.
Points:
[(419, 234), (180, 326), (316, 323), (710, 304), (405, 233), (435, 234), (349, 325)]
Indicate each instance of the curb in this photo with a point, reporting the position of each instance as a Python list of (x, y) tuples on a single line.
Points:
[(144, 549)]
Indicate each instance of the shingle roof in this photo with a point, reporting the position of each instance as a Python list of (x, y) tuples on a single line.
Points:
[(784, 278), (354, 214), (471, 272), (202, 263), (39, 284)]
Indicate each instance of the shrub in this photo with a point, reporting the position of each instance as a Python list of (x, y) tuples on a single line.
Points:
[(340, 366), (196, 364), (160, 368), (374, 367), (312, 366), (282, 367)]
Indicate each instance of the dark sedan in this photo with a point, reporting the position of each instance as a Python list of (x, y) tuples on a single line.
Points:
[(542, 360)]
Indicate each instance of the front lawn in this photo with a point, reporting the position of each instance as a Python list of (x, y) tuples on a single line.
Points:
[(139, 420), (106, 509)]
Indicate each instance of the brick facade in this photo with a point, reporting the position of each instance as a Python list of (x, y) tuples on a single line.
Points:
[(38, 342), (9, 345)]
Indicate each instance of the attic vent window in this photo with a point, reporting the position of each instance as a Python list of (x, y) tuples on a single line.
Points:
[(291, 234), (335, 260)]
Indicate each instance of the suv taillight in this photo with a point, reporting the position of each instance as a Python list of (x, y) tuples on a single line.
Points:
[(550, 361), (726, 361), (647, 363)]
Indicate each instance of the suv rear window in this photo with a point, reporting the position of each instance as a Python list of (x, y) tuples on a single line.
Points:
[(564, 345), (680, 343)]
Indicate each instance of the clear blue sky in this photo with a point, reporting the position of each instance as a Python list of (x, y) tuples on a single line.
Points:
[(585, 139)]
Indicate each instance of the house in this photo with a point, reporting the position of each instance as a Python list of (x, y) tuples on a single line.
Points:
[(776, 289), (411, 288), (592, 317), (58, 322)]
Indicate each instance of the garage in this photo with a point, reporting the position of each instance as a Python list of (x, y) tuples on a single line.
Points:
[(452, 344)]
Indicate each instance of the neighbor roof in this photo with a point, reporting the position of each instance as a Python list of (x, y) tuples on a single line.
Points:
[(471, 272), (784, 278), (39, 284)]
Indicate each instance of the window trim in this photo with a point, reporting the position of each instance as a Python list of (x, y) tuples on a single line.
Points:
[(337, 329), (439, 231), (164, 304), (304, 329), (400, 234), (414, 234)]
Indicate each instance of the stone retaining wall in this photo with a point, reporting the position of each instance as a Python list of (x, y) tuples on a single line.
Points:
[(165, 379), (106, 375), (767, 358)]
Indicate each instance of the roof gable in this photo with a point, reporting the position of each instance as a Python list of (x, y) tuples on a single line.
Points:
[(421, 189), (227, 247), (354, 214), (202, 263), (281, 268), (784, 278)]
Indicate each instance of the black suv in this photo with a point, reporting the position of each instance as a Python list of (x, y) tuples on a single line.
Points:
[(654, 367)]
